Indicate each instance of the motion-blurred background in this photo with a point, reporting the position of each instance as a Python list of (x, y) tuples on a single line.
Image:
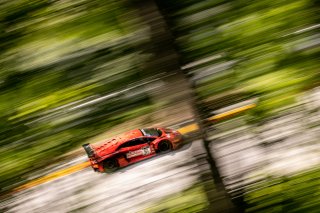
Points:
[(73, 72)]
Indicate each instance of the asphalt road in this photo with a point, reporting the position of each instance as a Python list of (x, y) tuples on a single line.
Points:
[(282, 146), (131, 189)]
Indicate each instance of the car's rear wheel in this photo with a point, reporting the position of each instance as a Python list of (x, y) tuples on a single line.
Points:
[(110, 165), (164, 146)]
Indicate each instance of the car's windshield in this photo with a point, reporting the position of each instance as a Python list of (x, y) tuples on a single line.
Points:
[(151, 132)]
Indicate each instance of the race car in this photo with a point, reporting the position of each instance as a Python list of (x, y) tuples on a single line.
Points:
[(131, 147)]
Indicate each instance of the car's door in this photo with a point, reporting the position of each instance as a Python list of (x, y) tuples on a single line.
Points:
[(139, 147), (124, 148)]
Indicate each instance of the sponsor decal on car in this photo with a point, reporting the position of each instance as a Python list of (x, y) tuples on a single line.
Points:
[(143, 151)]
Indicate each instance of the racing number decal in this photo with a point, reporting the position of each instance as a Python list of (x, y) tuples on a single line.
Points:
[(146, 150), (143, 151)]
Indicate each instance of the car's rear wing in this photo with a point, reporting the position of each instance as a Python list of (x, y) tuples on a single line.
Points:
[(88, 149), (93, 155)]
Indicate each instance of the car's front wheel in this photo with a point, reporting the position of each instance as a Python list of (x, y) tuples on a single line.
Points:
[(110, 165), (164, 146)]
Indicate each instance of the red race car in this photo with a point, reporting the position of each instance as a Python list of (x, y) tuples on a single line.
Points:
[(131, 147)]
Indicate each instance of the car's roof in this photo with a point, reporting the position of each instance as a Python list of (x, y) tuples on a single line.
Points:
[(110, 145)]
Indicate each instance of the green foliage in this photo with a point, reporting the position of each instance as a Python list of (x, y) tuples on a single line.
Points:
[(192, 199), (59, 56), (299, 193), (58, 59), (265, 40)]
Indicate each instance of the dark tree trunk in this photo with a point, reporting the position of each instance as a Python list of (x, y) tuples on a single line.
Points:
[(166, 59)]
